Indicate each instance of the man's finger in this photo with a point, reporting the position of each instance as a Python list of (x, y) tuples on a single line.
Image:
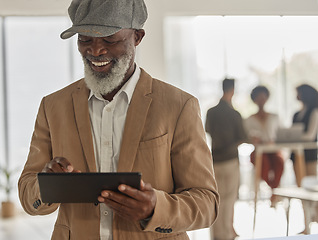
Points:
[(142, 185), (145, 186), (65, 164), (131, 192), (119, 198), (55, 167)]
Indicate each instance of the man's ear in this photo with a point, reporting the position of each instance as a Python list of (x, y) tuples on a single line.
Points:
[(139, 35)]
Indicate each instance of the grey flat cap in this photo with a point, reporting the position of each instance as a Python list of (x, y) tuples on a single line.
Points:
[(102, 18)]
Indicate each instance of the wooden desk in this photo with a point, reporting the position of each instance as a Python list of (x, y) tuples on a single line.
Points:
[(299, 164), (309, 200)]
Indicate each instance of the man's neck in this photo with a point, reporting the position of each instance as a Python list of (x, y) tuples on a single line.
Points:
[(227, 98), (110, 96)]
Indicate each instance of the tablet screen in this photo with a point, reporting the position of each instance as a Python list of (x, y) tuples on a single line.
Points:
[(82, 187)]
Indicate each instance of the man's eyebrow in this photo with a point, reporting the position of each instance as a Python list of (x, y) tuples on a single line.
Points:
[(110, 36)]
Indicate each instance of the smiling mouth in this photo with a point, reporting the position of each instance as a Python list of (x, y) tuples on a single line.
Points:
[(100, 64)]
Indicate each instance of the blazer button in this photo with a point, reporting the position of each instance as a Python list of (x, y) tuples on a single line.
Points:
[(158, 229), (169, 230), (37, 203)]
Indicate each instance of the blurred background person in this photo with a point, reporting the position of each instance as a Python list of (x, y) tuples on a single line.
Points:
[(262, 128), (308, 116), (225, 126)]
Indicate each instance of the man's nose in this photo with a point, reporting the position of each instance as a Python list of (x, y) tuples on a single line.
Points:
[(97, 48)]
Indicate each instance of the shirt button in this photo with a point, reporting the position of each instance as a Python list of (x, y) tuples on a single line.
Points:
[(105, 213), (108, 109)]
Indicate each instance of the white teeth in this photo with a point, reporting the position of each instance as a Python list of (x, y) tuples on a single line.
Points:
[(99, 64)]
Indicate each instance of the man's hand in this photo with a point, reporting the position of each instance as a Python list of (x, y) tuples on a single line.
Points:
[(59, 164), (131, 203)]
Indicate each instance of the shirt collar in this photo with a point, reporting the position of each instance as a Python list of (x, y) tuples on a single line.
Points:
[(128, 87)]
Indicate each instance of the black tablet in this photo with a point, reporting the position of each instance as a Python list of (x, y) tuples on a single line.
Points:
[(82, 187)]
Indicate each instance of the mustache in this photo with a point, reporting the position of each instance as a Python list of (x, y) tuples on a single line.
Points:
[(98, 58)]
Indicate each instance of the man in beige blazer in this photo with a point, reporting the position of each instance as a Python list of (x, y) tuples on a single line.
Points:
[(120, 119)]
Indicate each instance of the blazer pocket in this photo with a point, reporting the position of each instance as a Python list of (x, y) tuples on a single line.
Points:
[(61, 232), (155, 142), (153, 161)]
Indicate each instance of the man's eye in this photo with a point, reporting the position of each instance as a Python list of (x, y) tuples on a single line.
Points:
[(110, 42), (83, 39)]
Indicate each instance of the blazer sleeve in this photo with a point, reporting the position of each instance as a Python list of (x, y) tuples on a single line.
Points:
[(40, 153), (194, 203)]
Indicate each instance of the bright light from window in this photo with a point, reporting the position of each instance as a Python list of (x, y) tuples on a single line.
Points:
[(278, 52)]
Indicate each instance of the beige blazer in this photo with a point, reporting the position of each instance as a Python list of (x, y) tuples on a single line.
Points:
[(163, 139)]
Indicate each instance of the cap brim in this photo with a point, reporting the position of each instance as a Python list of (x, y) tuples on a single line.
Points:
[(89, 30)]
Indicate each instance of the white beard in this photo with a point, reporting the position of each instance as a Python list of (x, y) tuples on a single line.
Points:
[(104, 83)]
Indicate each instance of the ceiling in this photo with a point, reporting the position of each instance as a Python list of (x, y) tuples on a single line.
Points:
[(175, 7)]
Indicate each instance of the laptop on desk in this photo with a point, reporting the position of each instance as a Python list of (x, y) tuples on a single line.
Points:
[(290, 135)]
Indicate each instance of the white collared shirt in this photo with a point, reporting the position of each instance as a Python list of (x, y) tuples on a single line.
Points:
[(107, 124)]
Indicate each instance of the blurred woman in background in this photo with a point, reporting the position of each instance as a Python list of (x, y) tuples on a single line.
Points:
[(308, 116), (262, 128)]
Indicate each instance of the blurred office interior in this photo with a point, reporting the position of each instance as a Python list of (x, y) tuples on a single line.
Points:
[(190, 44)]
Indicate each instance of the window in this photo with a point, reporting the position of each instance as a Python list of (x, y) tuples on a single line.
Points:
[(2, 99), (37, 63), (278, 52)]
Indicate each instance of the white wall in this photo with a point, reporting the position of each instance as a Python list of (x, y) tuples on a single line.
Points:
[(33, 7), (151, 51)]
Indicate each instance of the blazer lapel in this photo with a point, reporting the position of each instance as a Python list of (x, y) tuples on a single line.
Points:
[(135, 120), (80, 101)]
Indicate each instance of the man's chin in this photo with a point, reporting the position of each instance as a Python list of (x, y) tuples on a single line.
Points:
[(100, 82), (106, 81), (99, 75)]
